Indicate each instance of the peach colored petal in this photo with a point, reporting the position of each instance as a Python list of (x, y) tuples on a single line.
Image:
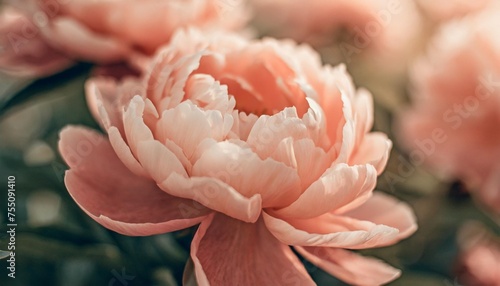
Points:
[(204, 91), (254, 257), (158, 161), (100, 95), (124, 153), (278, 184), (374, 149), (349, 266), (363, 113), (268, 131), (136, 129), (330, 231), (202, 124), (68, 35), (114, 197), (214, 194), (310, 161), (386, 210), (24, 56), (340, 185)]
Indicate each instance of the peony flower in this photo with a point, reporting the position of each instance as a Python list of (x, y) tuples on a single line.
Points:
[(479, 260), (453, 126), (253, 140), (47, 33)]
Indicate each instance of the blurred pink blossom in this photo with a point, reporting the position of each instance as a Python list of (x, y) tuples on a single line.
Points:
[(255, 140), (42, 35), (454, 123), (479, 260), (385, 29)]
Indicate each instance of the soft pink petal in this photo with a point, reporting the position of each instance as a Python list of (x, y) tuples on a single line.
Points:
[(339, 186), (386, 210), (278, 184), (136, 129), (363, 113), (214, 194), (158, 161), (24, 56), (230, 252), (73, 38), (374, 149), (303, 155), (187, 126), (207, 93), (113, 196), (124, 153), (269, 131), (349, 266), (330, 231)]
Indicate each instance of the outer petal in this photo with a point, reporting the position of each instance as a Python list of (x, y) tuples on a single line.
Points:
[(339, 186), (113, 196), (349, 266), (386, 210), (330, 231), (229, 252)]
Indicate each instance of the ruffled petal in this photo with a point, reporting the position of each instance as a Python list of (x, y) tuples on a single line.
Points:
[(230, 252), (278, 184), (330, 231), (214, 194), (339, 186), (386, 210)]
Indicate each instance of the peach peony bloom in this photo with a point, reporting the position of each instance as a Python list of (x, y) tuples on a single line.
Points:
[(453, 125), (49, 32), (479, 260), (256, 141)]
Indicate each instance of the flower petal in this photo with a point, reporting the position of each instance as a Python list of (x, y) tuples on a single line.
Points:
[(114, 197), (386, 210), (69, 35), (187, 126), (330, 231), (269, 131), (23, 56), (339, 186), (158, 161), (230, 252), (349, 266), (278, 184), (215, 195), (374, 149)]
